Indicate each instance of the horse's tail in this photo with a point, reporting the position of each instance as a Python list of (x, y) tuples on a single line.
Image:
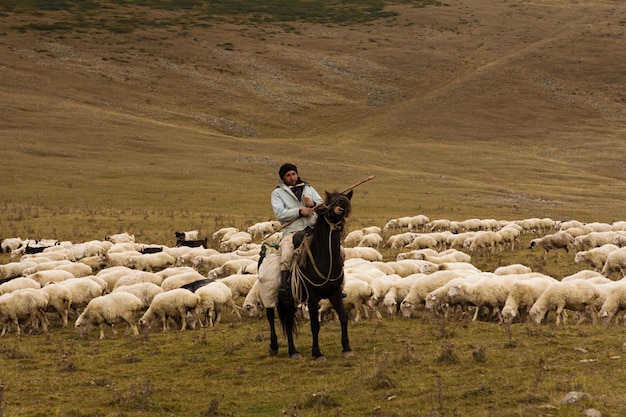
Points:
[(287, 315)]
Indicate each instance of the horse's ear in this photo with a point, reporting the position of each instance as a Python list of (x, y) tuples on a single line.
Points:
[(327, 195), (349, 195)]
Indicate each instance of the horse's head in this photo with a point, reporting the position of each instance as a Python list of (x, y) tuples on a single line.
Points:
[(336, 207)]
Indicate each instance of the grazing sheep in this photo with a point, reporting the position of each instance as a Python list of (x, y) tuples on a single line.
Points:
[(230, 267), (443, 258), (263, 228), (77, 269), (424, 285), (46, 265), (438, 225), (397, 224), (371, 240), (512, 269), (120, 238), (595, 257), (223, 233), (358, 298), (577, 294), (110, 309), (491, 291), (23, 305), (173, 304), (423, 241), (214, 261), (150, 262), (615, 263), (44, 277), (408, 267), (145, 291), (556, 241), (111, 259), (213, 298), (614, 302), (124, 247), (369, 254), (418, 223), (353, 238), (252, 303), (522, 296), (484, 242), (83, 291), (178, 280), (439, 301), (136, 277), (112, 275), (510, 236), (398, 291), (400, 240), (59, 300), (10, 244), (15, 269), (594, 240), (381, 286), (18, 284), (235, 241), (239, 284)]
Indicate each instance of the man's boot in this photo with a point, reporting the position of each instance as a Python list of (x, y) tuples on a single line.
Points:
[(284, 292)]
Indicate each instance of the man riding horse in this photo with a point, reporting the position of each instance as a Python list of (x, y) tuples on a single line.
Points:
[(293, 202)]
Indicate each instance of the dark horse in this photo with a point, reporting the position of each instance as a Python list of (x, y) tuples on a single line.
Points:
[(318, 274)]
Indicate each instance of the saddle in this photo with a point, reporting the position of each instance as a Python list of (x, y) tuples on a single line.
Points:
[(300, 243)]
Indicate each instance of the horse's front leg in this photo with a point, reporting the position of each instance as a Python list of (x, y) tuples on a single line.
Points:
[(337, 302), (273, 349), (315, 329)]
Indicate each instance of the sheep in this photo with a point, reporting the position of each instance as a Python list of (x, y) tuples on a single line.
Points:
[(412, 266), (230, 267), (213, 297), (423, 241), (214, 261), (400, 240), (235, 241), (438, 225), (422, 286), (83, 291), (43, 277), (512, 269), (15, 269), (224, 232), (239, 284), (398, 291), (77, 269), (263, 228), (59, 300), (124, 247), (439, 299), (595, 257), (18, 284), (150, 262), (371, 240), (369, 254), (110, 309), (45, 265), (358, 297), (136, 277), (510, 236), (26, 304), (417, 223), (455, 256), (393, 224), (93, 262), (120, 238), (190, 235), (381, 286), (111, 259), (112, 275), (174, 304), (178, 280), (188, 258), (353, 238), (594, 240), (614, 302), (484, 242), (252, 303), (491, 291), (556, 241), (10, 244), (522, 296), (615, 263), (577, 294), (199, 243), (145, 291)]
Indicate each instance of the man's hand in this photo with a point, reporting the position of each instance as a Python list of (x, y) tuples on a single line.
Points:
[(308, 202), (307, 211)]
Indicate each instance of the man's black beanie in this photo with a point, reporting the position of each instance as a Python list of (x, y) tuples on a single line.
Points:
[(285, 168)]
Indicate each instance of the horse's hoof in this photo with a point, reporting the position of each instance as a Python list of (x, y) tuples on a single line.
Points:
[(273, 352), (320, 358), (296, 355), (348, 354)]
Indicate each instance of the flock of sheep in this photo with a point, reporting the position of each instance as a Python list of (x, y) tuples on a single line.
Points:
[(100, 284)]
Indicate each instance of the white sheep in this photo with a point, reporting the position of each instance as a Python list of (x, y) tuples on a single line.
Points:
[(145, 291), (615, 263), (614, 302), (594, 240), (189, 235), (371, 240), (595, 257), (522, 296), (252, 304), (10, 244), (230, 267), (584, 274), (424, 285), (484, 242), (353, 238), (59, 300), (417, 223), (135, 277), (124, 247), (178, 280), (77, 269), (423, 241), (112, 275), (400, 240), (213, 298), (150, 262), (111, 259), (369, 254), (83, 291), (120, 238), (408, 267), (213, 261), (358, 298), (110, 309), (510, 236), (235, 241), (491, 291), (381, 286), (23, 305), (397, 224), (263, 228), (44, 277), (46, 265), (512, 269), (438, 225), (18, 284), (224, 231), (15, 269), (443, 258), (556, 241), (173, 304), (577, 295), (439, 300), (239, 284), (398, 291)]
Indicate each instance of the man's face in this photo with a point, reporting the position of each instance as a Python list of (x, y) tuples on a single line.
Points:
[(291, 177)]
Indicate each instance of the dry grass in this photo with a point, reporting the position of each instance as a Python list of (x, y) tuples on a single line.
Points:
[(151, 120)]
